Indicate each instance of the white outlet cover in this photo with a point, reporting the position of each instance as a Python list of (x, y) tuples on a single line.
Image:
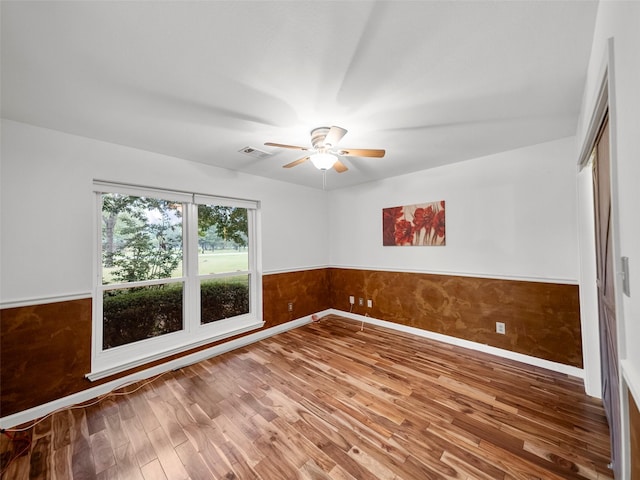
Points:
[(500, 328), (369, 303)]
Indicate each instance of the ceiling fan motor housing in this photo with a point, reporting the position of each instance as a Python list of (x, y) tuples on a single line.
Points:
[(317, 137)]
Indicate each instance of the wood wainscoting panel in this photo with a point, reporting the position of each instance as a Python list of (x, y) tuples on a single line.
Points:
[(45, 351), (634, 447), (542, 319), (308, 290)]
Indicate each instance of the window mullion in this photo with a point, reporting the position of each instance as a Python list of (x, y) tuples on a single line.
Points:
[(97, 308), (207, 276), (253, 277), (141, 283), (192, 285)]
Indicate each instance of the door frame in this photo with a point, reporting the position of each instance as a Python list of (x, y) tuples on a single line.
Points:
[(604, 103)]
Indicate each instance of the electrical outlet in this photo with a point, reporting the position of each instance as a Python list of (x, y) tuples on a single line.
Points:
[(500, 328), (352, 299), (361, 302), (369, 303), (290, 306)]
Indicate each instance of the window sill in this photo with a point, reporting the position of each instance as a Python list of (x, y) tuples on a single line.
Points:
[(100, 373)]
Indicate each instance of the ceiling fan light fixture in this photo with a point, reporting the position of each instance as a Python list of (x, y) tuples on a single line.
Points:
[(322, 155), (323, 161)]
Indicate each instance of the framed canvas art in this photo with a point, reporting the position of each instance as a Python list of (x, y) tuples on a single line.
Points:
[(414, 225)]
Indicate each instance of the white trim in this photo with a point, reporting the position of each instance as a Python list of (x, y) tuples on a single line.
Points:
[(257, 262), (480, 347), (588, 290), (598, 114), (96, 306), (106, 186), (276, 271), (101, 187), (142, 360), (589, 324), (618, 274), (141, 283), (28, 302), (201, 199), (496, 276), (85, 395), (31, 302)]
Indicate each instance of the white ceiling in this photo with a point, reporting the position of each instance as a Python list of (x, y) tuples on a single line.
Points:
[(432, 82)]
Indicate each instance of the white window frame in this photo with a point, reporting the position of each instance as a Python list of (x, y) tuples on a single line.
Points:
[(194, 334)]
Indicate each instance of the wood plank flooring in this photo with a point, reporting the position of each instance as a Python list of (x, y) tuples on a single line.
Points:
[(328, 401)]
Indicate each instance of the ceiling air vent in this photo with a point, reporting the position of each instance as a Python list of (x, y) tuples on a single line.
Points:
[(254, 152)]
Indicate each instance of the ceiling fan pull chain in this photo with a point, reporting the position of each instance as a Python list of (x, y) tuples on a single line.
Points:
[(324, 179)]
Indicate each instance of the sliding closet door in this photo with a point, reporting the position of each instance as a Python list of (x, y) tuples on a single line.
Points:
[(606, 296)]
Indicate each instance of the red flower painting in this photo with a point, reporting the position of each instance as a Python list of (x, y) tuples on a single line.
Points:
[(389, 218), (421, 224), (403, 233)]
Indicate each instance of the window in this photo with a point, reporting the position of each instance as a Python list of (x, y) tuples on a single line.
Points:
[(174, 270), (223, 262)]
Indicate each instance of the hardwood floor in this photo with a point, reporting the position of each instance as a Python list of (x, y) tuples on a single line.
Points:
[(328, 401)]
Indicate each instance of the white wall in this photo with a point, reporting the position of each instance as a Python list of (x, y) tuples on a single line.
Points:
[(620, 21), (47, 208), (509, 215)]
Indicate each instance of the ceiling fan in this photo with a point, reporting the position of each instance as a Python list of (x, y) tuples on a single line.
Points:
[(324, 154)]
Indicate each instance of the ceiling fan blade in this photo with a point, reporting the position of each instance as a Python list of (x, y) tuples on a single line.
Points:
[(361, 152), (340, 167), (282, 145), (297, 162), (334, 135)]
